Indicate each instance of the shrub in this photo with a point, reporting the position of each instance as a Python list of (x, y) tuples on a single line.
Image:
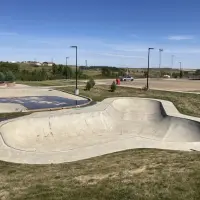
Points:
[(113, 86), (92, 82), (181, 74), (2, 77), (10, 77), (88, 86)]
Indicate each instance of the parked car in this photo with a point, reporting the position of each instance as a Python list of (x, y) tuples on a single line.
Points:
[(126, 78)]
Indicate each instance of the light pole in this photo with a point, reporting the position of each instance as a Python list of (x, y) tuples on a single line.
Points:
[(160, 59), (180, 69), (67, 76), (66, 60), (148, 67), (76, 90), (172, 64)]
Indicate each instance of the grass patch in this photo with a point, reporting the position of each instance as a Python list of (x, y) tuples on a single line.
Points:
[(61, 82), (6, 116), (188, 104), (133, 174)]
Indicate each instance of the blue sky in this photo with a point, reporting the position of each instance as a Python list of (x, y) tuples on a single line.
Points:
[(107, 32)]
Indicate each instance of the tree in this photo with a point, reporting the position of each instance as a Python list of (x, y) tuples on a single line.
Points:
[(92, 82), (197, 72), (181, 74), (10, 77), (2, 77), (5, 66), (106, 72), (67, 72), (60, 69), (88, 86), (54, 69)]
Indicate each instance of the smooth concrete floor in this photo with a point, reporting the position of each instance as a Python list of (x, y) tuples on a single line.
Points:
[(112, 125)]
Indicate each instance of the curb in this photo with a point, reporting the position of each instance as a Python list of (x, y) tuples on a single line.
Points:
[(62, 108)]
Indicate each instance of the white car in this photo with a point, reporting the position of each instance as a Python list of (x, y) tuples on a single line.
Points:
[(127, 78)]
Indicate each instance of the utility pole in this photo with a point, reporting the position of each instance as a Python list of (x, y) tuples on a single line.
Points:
[(160, 60), (148, 67)]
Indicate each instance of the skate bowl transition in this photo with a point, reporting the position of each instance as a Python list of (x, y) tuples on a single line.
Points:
[(112, 125)]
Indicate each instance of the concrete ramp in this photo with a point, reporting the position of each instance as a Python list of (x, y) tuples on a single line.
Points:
[(127, 122)]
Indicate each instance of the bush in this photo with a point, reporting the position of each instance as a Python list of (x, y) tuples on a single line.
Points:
[(88, 86), (2, 77), (113, 86), (10, 77), (92, 82)]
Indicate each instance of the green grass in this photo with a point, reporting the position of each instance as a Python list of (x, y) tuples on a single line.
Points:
[(134, 174), (188, 104), (61, 82), (140, 174), (4, 116)]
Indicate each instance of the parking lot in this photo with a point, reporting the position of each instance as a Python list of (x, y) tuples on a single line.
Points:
[(161, 84)]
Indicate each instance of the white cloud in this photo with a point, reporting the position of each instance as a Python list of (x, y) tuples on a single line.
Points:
[(181, 37)]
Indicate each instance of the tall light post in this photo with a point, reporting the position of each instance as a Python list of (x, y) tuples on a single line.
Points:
[(172, 64), (180, 63), (67, 75), (66, 60), (160, 59), (76, 90), (148, 67)]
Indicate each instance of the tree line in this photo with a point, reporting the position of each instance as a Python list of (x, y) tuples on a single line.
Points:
[(40, 74)]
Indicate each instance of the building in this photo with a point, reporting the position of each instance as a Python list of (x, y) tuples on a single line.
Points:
[(32, 63), (48, 64)]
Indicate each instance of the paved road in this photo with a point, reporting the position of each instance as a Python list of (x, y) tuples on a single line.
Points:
[(164, 84)]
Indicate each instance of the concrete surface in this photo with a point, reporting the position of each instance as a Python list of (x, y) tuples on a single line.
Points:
[(32, 103), (11, 107), (112, 125), (35, 91), (21, 99), (183, 85)]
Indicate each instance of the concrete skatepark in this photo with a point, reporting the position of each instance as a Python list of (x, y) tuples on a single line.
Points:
[(114, 124), (25, 99)]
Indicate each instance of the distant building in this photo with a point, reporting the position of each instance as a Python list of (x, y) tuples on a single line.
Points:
[(38, 63), (48, 64), (33, 63)]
